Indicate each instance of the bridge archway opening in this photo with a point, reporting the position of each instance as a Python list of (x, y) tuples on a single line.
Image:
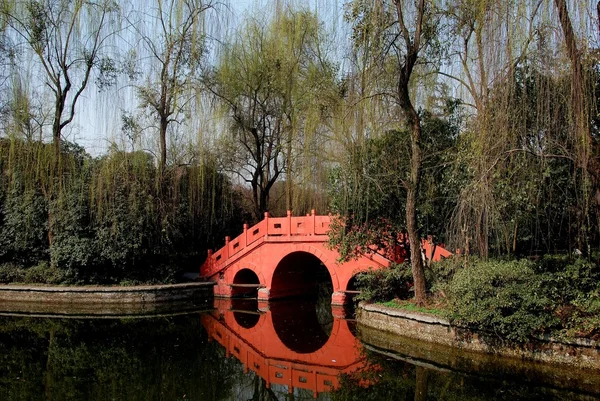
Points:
[(245, 284), (301, 275), (352, 290), (353, 283)]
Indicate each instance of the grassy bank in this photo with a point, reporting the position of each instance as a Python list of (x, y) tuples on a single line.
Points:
[(515, 299)]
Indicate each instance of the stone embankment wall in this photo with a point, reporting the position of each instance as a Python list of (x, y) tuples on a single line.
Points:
[(578, 353), (102, 300)]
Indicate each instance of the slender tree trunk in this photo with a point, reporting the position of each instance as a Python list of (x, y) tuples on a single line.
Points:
[(264, 201), (163, 144), (581, 125), (288, 178), (59, 107), (416, 261), (412, 189), (258, 214), (414, 126)]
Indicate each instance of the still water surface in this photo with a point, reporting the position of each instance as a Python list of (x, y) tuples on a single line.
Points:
[(245, 351)]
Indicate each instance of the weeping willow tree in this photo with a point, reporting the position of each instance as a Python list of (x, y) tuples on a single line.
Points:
[(116, 217), (527, 131), (272, 84), (582, 111), (67, 40), (391, 39), (172, 39), (491, 38)]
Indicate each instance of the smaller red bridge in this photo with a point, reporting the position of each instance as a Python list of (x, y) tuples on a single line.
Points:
[(284, 257)]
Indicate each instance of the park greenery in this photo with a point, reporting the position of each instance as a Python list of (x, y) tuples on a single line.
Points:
[(471, 121), (511, 300)]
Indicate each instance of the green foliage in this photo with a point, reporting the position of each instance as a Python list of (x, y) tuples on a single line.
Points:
[(505, 298), (42, 273), (384, 284), (107, 220), (516, 300), (23, 227), (368, 189), (513, 300)]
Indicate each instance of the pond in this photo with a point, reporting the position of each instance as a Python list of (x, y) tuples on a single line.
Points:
[(245, 350)]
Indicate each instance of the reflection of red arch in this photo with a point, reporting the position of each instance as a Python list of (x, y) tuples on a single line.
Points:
[(263, 246), (260, 350)]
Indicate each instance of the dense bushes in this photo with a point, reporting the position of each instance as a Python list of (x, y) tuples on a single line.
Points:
[(385, 284), (513, 299), (109, 219), (520, 299), (507, 298)]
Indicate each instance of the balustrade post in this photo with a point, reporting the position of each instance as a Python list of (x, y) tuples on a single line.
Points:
[(209, 260), (245, 236), (289, 223), (314, 222), (226, 252), (266, 220)]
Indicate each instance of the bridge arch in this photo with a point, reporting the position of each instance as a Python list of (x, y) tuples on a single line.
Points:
[(290, 275), (245, 283), (300, 274)]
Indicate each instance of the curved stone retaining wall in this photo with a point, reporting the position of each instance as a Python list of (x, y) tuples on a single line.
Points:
[(579, 353), (102, 300)]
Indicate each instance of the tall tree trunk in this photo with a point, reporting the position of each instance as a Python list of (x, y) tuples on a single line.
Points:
[(416, 262), (163, 144), (581, 125), (414, 126)]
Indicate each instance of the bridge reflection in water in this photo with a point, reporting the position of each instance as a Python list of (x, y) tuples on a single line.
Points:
[(300, 345)]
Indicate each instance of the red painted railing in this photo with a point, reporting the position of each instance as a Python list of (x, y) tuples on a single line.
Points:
[(299, 228), (309, 225)]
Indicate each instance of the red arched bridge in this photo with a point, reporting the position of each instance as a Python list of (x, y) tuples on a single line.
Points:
[(285, 257)]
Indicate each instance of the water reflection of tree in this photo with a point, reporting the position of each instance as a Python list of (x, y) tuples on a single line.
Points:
[(390, 379), (147, 359)]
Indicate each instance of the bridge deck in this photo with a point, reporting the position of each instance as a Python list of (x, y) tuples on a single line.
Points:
[(305, 229)]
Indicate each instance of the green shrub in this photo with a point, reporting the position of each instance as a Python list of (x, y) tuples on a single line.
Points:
[(42, 273), (383, 285), (566, 280), (439, 274), (11, 273), (507, 298)]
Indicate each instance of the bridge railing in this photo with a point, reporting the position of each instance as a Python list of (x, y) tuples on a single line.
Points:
[(308, 225), (300, 225)]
